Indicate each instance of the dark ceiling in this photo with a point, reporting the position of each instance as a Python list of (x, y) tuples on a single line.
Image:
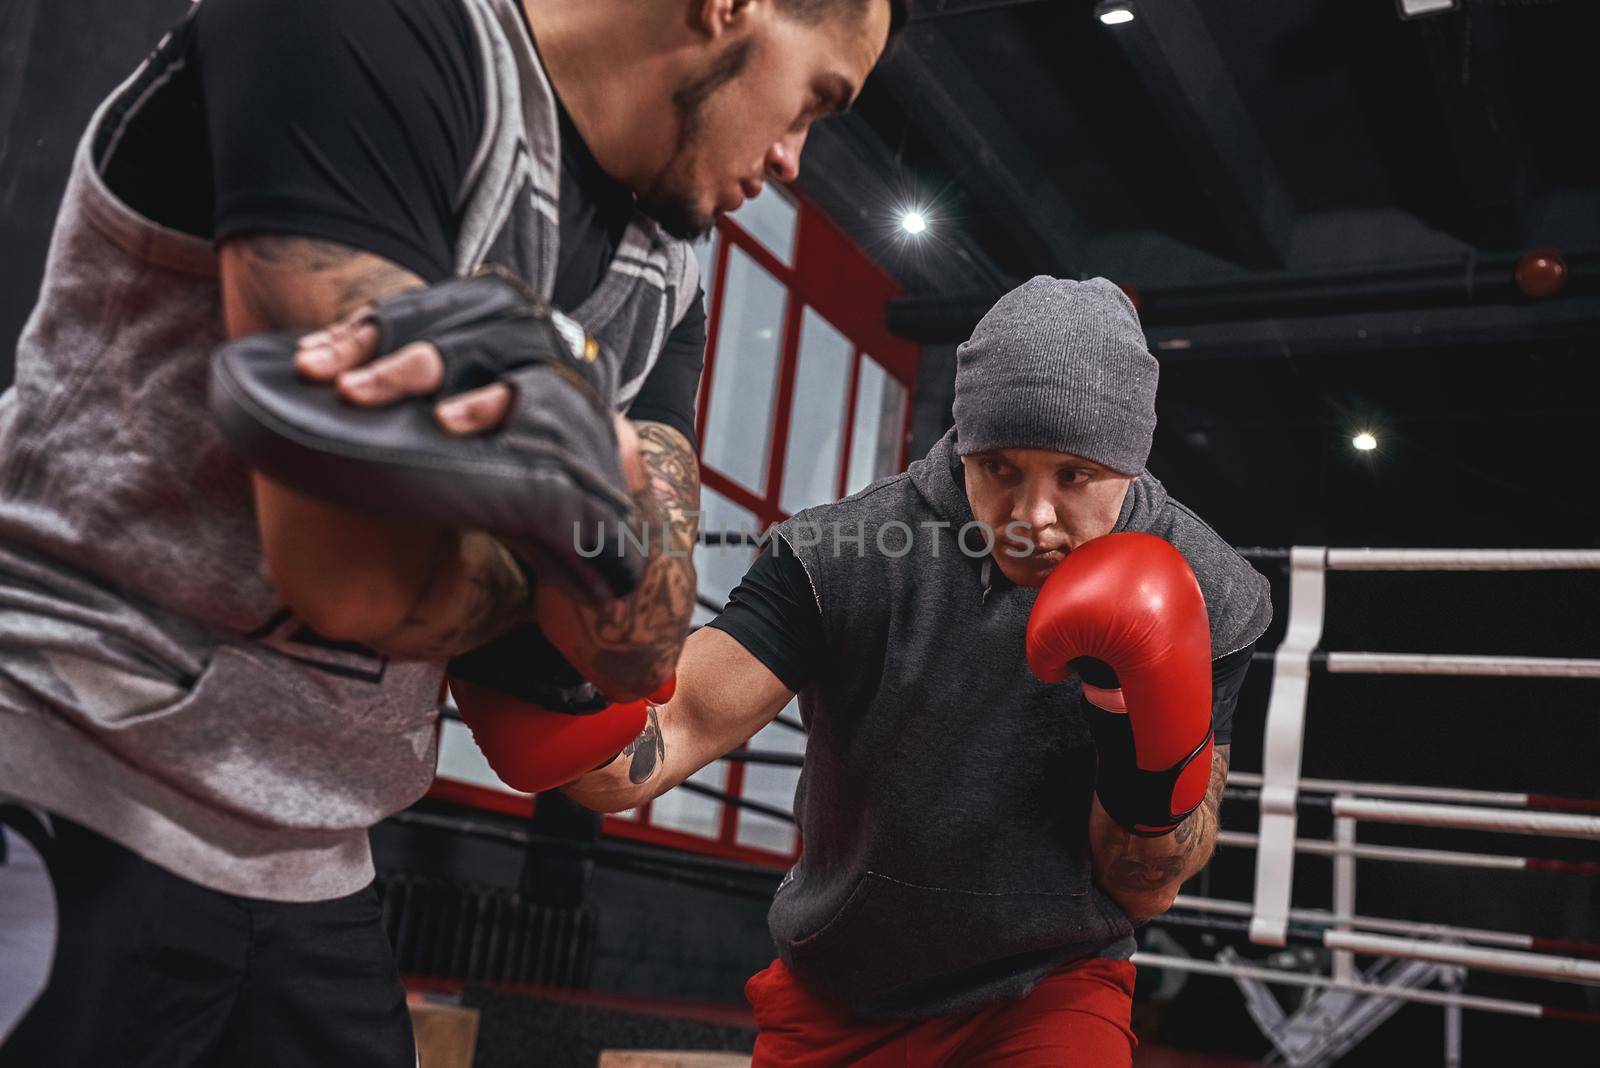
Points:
[(1320, 206)]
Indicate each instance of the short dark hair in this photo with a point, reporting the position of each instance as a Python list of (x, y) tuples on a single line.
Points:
[(817, 10)]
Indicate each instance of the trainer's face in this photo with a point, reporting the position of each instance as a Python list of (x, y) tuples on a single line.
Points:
[(744, 113), (1046, 502)]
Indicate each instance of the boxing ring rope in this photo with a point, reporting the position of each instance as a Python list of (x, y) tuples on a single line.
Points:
[(1324, 918), (1463, 559), (1502, 798), (1502, 820), (1361, 559), (1409, 855), (1231, 970), (1309, 800), (1535, 965), (1279, 782), (1478, 666), (1551, 966)]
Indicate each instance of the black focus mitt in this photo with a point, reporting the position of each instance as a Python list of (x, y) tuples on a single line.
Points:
[(548, 482)]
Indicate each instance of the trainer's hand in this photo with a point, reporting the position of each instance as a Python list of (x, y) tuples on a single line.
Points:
[(386, 413), (346, 354), (629, 449)]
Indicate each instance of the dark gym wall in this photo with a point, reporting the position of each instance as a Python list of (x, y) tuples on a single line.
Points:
[(57, 61)]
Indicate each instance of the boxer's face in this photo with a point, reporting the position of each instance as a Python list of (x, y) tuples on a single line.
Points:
[(744, 113), (1054, 501)]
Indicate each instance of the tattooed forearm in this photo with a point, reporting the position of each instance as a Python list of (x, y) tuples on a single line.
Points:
[(630, 778), (646, 753), (1139, 872), (299, 283), (473, 593), (675, 480), (635, 640)]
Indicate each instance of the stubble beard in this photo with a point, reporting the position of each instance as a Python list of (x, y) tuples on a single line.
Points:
[(672, 200)]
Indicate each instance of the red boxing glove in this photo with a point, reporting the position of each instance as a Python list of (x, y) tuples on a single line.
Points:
[(534, 749), (1125, 612)]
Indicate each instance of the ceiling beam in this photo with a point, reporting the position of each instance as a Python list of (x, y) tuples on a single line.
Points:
[(1175, 56), (1564, 319), (1316, 305), (1468, 54), (1569, 319), (985, 153), (923, 10)]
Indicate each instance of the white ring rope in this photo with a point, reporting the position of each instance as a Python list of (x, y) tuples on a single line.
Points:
[(1376, 852), (1425, 793), (1283, 744), (1429, 997), (1537, 965), (1463, 559), (1548, 667), (1505, 821), (1324, 918)]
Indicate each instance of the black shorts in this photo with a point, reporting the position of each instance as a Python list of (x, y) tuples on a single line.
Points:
[(151, 969)]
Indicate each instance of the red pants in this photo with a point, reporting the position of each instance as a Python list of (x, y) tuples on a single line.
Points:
[(1076, 1018)]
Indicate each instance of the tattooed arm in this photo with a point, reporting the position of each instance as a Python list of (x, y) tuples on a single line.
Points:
[(629, 646), (724, 696), (408, 589), (1143, 875)]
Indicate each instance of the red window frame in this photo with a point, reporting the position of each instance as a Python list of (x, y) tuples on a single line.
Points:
[(834, 277)]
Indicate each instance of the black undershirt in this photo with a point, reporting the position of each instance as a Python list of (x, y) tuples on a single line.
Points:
[(355, 122), (774, 615)]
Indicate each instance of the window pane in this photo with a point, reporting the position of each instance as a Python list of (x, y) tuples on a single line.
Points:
[(460, 758), (770, 219), (720, 567), (763, 832), (739, 424), (891, 428), (705, 251), (880, 418), (775, 736), (772, 785), (816, 420), (679, 810)]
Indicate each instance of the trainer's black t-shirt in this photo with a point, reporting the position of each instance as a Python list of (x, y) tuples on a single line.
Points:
[(355, 122), (773, 614)]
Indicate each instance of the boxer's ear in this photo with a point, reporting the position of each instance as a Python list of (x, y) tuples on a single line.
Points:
[(714, 18), (711, 18)]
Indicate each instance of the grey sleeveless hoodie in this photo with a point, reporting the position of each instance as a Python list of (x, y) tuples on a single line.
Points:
[(945, 795), (151, 685)]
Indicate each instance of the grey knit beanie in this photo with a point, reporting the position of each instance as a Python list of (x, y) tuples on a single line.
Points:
[(1059, 365)]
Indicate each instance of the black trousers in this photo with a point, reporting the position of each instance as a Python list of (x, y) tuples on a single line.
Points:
[(151, 969)]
